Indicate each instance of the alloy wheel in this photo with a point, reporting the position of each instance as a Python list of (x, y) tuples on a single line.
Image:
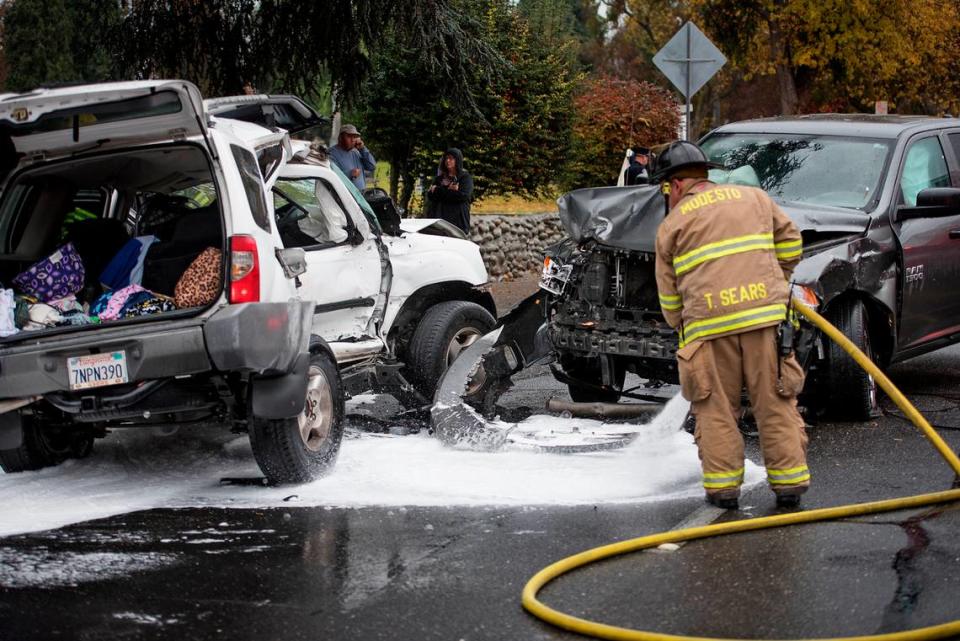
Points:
[(316, 418)]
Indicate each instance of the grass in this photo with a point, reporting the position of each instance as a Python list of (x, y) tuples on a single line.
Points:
[(513, 205), (508, 204)]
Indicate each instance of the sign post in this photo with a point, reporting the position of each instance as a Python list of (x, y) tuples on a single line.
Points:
[(689, 60)]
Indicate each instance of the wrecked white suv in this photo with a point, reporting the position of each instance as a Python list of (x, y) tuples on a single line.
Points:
[(396, 300), (144, 281)]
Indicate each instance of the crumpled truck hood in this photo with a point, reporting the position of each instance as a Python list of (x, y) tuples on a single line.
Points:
[(628, 217), (623, 217), (826, 219)]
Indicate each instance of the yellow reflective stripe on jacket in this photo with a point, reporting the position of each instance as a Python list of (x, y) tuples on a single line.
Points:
[(789, 249), (790, 476), (718, 480), (731, 322), (719, 249), (670, 303)]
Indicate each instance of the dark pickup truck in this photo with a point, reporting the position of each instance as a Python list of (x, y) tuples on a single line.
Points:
[(877, 199)]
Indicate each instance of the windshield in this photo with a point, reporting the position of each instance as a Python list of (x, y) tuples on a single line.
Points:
[(820, 170)]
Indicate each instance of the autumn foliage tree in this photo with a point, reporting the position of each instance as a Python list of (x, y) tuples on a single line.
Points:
[(800, 56), (840, 54), (611, 115)]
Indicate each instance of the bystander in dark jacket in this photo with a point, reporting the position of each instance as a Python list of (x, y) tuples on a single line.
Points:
[(637, 173), (449, 196)]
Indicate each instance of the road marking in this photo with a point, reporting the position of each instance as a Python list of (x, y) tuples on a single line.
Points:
[(700, 517)]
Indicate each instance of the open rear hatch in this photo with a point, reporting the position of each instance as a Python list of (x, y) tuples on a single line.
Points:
[(54, 123), (115, 196)]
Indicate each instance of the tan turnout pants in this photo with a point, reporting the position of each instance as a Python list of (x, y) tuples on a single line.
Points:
[(712, 374)]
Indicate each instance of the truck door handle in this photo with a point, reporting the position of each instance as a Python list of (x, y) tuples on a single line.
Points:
[(954, 234)]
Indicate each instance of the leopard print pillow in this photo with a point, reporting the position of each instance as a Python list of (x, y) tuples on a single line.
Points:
[(200, 283)]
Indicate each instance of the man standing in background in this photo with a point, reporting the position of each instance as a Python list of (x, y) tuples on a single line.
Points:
[(352, 156)]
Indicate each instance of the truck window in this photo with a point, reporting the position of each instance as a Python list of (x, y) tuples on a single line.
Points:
[(923, 168)]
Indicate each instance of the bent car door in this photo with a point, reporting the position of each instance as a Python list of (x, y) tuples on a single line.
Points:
[(343, 277)]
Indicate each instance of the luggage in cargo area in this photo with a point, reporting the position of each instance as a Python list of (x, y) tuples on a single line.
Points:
[(115, 238)]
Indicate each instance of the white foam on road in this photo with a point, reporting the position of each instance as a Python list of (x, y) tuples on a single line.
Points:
[(136, 469)]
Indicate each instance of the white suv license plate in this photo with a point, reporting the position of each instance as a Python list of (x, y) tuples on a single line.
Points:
[(97, 370)]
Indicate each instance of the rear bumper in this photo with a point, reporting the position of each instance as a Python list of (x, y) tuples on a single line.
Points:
[(261, 338)]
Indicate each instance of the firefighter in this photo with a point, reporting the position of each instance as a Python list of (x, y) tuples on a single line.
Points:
[(725, 254)]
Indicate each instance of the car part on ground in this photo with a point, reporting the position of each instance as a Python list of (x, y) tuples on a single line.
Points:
[(446, 330), (460, 425), (602, 410)]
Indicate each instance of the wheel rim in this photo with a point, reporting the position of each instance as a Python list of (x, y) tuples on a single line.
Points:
[(461, 341), (317, 416)]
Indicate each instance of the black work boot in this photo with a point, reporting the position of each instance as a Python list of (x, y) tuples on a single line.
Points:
[(789, 499), (724, 499)]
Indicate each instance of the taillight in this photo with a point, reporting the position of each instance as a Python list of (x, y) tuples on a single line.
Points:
[(244, 270)]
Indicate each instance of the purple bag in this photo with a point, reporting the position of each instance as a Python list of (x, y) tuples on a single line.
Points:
[(56, 276)]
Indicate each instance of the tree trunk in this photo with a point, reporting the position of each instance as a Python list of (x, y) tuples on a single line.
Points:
[(786, 81), (789, 101), (394, 177), (409, 180)]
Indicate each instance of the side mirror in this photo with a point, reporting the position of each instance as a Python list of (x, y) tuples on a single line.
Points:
[(935, 202), (293, 260)]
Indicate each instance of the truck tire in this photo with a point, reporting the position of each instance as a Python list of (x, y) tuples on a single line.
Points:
[(305, 447), (851, 392), (43, 447), (444, 331), (588, 370)]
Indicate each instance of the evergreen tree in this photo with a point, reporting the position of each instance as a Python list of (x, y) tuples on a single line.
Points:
[(513, 129), (56, 41), (38, 35)]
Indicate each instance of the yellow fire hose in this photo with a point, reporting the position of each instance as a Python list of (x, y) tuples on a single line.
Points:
[(603, 631)]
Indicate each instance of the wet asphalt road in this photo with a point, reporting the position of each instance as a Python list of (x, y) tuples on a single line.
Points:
[(457, 573)]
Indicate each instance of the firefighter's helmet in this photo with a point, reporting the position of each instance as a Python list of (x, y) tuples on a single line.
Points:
[(678, 155)]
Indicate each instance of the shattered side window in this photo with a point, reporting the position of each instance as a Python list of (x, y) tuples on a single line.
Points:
[(252, 185), (316, 217)]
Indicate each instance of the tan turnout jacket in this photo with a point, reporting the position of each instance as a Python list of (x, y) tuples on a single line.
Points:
[(724, 256)]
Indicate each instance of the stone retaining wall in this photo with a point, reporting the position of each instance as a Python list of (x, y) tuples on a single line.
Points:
[(513, 245)]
